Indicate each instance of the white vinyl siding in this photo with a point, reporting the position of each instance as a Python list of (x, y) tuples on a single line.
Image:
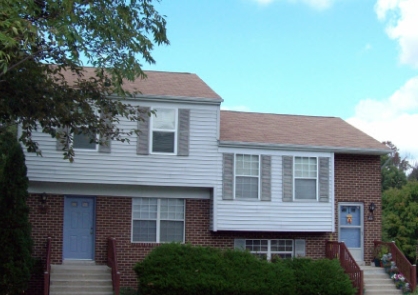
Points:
[(306, 178), (277, 215), (157, 220), (247, 176)]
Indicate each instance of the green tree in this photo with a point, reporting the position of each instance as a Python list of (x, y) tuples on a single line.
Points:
[(393, 168), (15, 240), (400, 217), (114, 36), (413, 176)]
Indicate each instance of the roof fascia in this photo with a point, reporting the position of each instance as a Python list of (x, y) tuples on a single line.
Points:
[(304, 148), (178, 99)]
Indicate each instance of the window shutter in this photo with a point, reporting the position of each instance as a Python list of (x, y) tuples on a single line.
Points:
[(265, 178), (228, 177), (183, 132), (300, 248), (287, 167), (239, 244), (142, 144), (59, 145), (105, 147), (324, 179)]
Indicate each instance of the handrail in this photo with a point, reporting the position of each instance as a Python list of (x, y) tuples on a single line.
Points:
[(112, 263), (338, 250), (47, 272), (408, 270)]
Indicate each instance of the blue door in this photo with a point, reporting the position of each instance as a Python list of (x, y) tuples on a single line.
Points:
[(350, 222), (78, 228)]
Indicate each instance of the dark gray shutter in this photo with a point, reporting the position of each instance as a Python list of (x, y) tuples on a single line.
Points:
[(239, 244), (324, 179), (59, 145), (300, 248), (228, 177), (142, 144), (287, 168), (265, 178), (105, 147), (183, 132)]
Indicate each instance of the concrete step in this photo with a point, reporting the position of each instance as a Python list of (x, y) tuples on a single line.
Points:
[(378, 282), (80, 277)]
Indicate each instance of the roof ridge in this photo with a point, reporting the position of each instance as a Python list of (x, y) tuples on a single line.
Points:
[(276, 114)]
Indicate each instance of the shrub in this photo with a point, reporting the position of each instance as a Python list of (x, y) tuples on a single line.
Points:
[(323, 276), (175, 269), (15, 240)]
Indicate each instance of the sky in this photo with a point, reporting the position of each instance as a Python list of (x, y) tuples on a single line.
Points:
[(354, 59)]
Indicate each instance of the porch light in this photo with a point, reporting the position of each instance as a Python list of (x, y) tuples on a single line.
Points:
[(43, 198), (372, 207)]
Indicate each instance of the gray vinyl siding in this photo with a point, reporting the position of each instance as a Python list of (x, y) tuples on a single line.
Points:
[(277, 215), (200, 168)]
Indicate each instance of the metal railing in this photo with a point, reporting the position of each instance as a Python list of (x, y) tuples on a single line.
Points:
[(47, 272), (338, 250), (112, 263), (408, 270)]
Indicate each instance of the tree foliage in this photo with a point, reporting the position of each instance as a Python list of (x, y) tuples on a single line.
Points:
[(393, 168), (15, 240), (111, 35), (400, 222)]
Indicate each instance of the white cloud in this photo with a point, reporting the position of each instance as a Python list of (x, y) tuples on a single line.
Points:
[(394, 119), (317, 4), (240, 108), (401, 25)]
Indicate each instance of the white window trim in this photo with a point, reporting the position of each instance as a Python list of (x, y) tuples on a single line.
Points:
[(269, 252), (294, 179), (235, 177), (158, 220), (151, 134), (96, 149)]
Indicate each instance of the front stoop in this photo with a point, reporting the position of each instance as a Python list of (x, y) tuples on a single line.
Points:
[(377, 282), (81, 278)]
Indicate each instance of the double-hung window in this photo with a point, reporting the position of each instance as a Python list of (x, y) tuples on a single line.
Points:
[(306, 178), (247, 176), (269, 249), (164, 135), (157, 220)]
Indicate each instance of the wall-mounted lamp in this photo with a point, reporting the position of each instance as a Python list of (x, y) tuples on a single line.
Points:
[(43, 198), (372, 207)]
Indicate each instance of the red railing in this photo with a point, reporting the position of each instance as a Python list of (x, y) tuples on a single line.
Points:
[(337, 250), (402, 263), (47, 272), (112, 263)]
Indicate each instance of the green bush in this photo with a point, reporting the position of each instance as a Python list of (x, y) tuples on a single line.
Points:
[(174, 269), (15, 255), (323, 276)]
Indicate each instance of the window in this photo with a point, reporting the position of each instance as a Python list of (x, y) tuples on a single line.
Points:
[(306, 175), (268, 249), (84, 141), (164, 125), (247, 172), (157, 220)]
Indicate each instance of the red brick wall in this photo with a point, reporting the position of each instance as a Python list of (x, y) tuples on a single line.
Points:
[(357, 179)]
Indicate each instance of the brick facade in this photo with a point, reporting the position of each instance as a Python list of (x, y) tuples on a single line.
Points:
[(357, 179)]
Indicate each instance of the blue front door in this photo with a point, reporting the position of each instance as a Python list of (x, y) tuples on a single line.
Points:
[(351, 228), (78, 228)]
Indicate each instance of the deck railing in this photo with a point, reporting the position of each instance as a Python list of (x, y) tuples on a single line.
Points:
[(402, 263), (47, 272), (112, 263), (338, 250)]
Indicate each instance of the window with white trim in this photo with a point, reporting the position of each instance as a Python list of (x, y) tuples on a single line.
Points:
[(306, 178), (157, 220), (164, 131), (247, 176), (269, 249), (85, 141)]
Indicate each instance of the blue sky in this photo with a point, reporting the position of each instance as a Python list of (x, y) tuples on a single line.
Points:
[(354, 59)]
